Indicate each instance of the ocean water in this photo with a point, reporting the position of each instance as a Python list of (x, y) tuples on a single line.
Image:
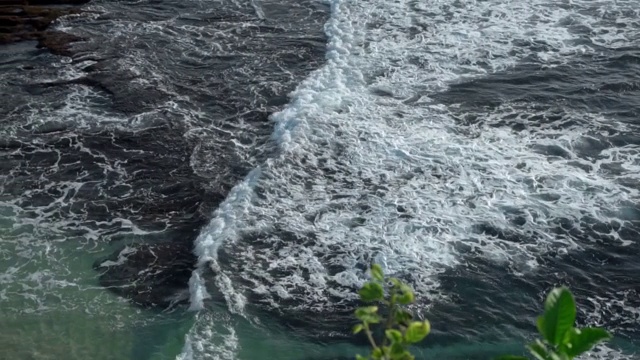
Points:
[(211, 179)]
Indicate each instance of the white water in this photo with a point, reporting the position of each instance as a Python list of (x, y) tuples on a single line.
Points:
[(371, 169)]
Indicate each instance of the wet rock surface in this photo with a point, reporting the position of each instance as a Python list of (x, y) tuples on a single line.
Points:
[(137, 136), (128, 96), (30, 20), (162, 272), (127, 182)]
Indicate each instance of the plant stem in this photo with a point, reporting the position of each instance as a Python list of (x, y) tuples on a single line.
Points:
[(370, 336), (392, 310)]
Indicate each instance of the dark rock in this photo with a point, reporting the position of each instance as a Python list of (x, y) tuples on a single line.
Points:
[(52, 2), (127, 96), (161, 273), (137, 178), (57, 42), (29, 20)]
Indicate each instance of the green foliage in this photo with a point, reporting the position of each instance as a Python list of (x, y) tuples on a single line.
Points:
[(582, 340), (376, 273), (400, 329), (560, 339), (371, 292), (559, 316), (417, 331), (368, 315)]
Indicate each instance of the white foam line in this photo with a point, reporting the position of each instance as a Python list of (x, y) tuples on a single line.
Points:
[(258, 9), (220, 229)]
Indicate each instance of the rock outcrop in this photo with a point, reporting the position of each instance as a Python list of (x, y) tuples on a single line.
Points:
[(22, 20), (162, 272)]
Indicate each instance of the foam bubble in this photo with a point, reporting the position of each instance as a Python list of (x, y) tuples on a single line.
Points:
[(212, 338)]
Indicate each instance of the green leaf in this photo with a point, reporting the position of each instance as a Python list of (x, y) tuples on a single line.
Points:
[(579, 341), (371, 292), (358, 328), (403, 356), (556, 356), (539, 350), (403, 317), (385, 351), (417, 331), (397, 351), (511, 357), (559, 315), (394, 335), (377, 353), (368, 314), (359, 357), (366, 310), (406, 297), (395, 282), (376, 272)]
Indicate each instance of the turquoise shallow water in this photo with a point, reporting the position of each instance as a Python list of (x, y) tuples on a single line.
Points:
[(53, 307), (66, 314)]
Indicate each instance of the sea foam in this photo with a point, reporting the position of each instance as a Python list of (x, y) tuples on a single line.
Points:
[(371, 168)]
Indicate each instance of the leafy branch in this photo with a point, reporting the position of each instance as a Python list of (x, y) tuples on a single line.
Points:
[(401, 330), (560, 339)]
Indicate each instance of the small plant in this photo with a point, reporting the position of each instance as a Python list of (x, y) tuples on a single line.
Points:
[(560, 339), (400, 329)]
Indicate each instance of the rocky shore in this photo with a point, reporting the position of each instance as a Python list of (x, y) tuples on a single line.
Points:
[(30, 20), (162, 177)]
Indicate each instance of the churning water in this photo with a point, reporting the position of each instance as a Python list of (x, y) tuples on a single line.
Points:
[(484, 151)]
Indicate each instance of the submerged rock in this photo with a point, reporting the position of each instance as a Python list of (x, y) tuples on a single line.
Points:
[(133, 187), (58, 42), (149, 275), (127, 95)]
